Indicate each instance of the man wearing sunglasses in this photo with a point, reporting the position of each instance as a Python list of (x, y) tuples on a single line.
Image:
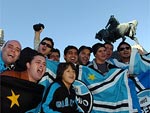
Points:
[(46, 45), (124, 51)]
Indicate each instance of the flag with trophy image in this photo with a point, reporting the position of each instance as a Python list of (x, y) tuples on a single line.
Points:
[(19, 96)]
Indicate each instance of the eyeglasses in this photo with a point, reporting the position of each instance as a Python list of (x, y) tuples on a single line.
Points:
[(123, 48), (48, 45)]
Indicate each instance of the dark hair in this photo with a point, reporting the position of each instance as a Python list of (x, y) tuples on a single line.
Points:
[(62, 67), (84, 47), (96, 46), (48, 39), (68, 48), (26, 55), (118, 48), (109, 44), (54, 50)]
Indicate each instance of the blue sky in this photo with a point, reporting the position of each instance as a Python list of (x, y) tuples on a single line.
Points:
[(71, 22)]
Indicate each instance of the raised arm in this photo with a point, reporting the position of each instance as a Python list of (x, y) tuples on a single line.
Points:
[(38, 28)]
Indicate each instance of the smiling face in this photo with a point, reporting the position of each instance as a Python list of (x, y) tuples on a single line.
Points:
[(109, 50), (36, 68), (125, 52), (68, 76), (71, 56), (11, 52), (100, 55), (84, 56)]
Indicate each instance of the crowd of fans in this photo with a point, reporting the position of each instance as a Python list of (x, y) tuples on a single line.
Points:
[(59, 95)]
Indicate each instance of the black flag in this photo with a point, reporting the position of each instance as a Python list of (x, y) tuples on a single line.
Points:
[(18, 95)]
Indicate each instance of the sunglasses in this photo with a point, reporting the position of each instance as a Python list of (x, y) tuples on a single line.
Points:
[(123, 48), (48, 45)]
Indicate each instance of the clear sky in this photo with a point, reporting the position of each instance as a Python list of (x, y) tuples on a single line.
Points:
[(71, 22)]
